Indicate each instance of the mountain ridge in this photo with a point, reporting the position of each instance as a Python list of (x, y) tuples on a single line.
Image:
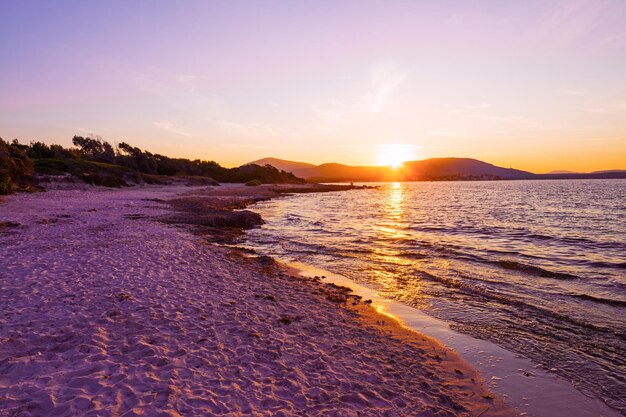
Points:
[(281, 164), (427, 169), (432, 169)]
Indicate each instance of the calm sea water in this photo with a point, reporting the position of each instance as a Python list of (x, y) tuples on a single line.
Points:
[(538, 267)]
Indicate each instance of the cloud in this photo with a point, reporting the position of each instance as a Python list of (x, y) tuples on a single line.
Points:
[(169, 127), (188, 79), (88, 132), (572, 92), (614, 39), (481, 106), (518, 122), (496, 120), (383, 81), (610, 108), (447, 133), (482, 19), (253, 130), (569, 21)]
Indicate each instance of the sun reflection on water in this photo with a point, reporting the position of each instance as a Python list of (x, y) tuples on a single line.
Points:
[(387, 254), (394, 205)]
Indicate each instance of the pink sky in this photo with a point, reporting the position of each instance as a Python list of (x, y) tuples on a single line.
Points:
[(535, 85)]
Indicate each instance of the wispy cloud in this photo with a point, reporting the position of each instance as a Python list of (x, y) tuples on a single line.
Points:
[(617, 107), (613, 39), (253, 130), (447, 133), (383, 80), (88, 132), (572, 92), (189, 81), (495, 119), (171, 128), (460, 19), (481, 106), (516, 121), (569, 21)]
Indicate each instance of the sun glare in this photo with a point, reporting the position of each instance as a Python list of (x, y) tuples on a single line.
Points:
[(394, 155)]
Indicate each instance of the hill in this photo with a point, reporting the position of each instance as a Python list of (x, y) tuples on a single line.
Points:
[(282, 164), (434, 169), (461, 169), (610, 171), (561, 171)]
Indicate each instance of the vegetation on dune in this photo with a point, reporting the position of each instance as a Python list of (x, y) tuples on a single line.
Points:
[(16, 168), (97, 162)]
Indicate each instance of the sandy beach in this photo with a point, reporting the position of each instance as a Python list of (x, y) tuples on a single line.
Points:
[(120, 303)]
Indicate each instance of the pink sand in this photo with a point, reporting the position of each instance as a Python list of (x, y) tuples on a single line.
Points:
[(106, 311)]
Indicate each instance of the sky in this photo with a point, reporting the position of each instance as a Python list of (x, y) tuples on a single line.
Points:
[(535, 85)]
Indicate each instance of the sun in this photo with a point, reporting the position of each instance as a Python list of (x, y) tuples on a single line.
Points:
[(394, 155)]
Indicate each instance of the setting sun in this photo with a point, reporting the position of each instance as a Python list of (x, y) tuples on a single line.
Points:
[(394, 155), (377, 208)]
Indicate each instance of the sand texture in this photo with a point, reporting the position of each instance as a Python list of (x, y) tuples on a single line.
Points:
[(107, 310)]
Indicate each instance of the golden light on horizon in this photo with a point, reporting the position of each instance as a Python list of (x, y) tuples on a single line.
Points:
[(394, 155)]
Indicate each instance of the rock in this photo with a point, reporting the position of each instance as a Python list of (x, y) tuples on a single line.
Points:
[(7, 224)]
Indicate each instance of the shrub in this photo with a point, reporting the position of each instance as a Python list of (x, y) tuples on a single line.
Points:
[(51, 166), (97, 162), (15, 167)]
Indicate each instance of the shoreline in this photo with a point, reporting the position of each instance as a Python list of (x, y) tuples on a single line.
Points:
[(109, 310), (525, 387), (455, 365), (529, 387)]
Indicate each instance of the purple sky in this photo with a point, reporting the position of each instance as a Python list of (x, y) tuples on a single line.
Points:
[(538, 85)]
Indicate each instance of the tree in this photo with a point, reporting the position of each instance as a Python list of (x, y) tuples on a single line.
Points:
[(95, 149), (15, 166)]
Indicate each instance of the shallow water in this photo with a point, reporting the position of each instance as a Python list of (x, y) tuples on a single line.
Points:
[(538, 267)]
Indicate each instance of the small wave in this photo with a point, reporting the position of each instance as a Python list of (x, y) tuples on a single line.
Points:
[(490, 295), (413, 255), (609, 301), (599, 264), (539, 237), (354, 251), (616, 283), (511, 265), (533, 270)]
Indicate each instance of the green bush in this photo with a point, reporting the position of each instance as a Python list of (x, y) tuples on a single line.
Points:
[(16, 168), (97, 162), (51, 166)]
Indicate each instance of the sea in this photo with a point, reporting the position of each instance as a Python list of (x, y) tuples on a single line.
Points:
[(536, 267)]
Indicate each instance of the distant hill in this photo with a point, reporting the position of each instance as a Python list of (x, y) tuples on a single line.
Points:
[(606, 171), (461, 169), (434, 169), (333, 172), (610, 171), (282, 164), (561, 171), (611, 174)]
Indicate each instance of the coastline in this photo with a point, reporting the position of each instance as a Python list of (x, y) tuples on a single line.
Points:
[(107, 309), (528, 386), (524, 386)]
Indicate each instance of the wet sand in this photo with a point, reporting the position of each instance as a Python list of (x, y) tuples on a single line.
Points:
[(116, 302)]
